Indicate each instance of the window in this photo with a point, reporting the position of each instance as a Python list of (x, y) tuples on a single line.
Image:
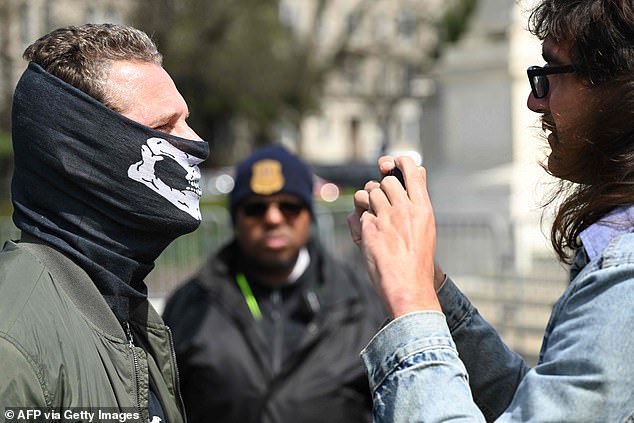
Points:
[(352, 73), (410, 75), (321, 29), (411, 130), (407, 25), (353, 137), (288, 15), (381, 28), (48, 15), (324, 128), (352, 24), (25, 24)]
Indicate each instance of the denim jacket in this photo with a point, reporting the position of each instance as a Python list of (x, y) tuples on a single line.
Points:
[(430, 367)]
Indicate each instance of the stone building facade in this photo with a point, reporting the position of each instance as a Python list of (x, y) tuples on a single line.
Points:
[(372, 103)]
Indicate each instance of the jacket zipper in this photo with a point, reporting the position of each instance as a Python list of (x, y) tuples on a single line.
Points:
[(278, 330), (135, 360), (279, 378), (176, 376)]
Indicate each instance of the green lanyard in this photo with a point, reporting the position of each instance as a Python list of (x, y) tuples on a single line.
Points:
[(252, 303)]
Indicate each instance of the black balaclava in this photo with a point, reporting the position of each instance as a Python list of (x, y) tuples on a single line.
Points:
[(107, 191)]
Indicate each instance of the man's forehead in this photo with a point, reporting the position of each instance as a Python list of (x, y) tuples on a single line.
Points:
[(557, 52)]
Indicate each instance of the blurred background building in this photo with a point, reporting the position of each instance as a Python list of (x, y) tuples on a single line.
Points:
[(373, 102), (341, 82)]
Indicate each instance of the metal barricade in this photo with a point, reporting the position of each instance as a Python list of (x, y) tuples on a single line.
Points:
[(475, 249)]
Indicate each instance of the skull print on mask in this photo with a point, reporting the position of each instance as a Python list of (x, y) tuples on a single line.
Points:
[(177, 184)]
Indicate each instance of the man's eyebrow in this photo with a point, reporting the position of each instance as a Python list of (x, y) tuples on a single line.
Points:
[(163, 120), (550, 58)]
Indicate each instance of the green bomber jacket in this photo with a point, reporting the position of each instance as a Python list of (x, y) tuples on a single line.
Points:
[(62, 348)]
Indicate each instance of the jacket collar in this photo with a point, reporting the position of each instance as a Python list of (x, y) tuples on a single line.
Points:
[(78, 286), (225, 264)]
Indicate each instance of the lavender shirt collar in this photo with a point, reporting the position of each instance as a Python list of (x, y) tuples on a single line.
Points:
[(597, 236)]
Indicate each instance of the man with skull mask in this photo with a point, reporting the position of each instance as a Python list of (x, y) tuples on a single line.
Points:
[(96, 119)]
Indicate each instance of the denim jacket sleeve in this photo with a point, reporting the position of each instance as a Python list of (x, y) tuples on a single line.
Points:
[(584, 374), (415, 373), (494, 370)]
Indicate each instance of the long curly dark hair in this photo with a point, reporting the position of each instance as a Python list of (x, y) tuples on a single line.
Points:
[(602, 32)]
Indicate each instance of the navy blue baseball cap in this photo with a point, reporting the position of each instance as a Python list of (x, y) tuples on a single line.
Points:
[(271, 170)]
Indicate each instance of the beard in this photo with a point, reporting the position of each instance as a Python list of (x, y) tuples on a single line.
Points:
[(548, 124), (570, 155)]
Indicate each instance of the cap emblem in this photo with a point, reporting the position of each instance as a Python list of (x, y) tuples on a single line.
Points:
[(267, 177)]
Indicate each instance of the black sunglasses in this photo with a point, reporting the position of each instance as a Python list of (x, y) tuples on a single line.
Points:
[(539, 81), (259, 208)]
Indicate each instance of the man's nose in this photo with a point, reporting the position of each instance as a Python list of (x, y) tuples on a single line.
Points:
[(273, 214), (537, 105), (185, 131)]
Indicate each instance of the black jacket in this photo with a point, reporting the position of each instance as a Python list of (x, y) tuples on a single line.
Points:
[(225, 356)]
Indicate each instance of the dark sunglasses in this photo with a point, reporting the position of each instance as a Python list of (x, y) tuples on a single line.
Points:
[(259, 208), (537, 76)]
